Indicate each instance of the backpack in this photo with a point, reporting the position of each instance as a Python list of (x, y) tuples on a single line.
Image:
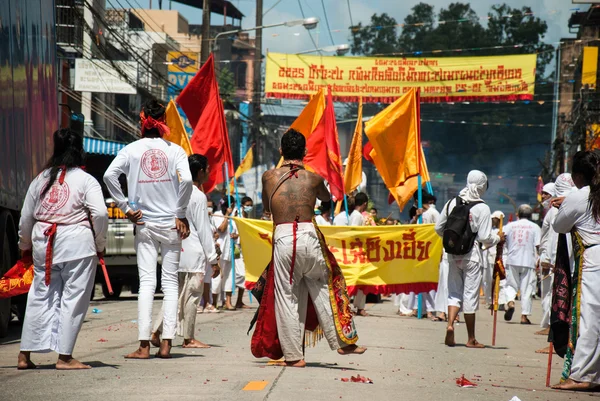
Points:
[(458, 237)]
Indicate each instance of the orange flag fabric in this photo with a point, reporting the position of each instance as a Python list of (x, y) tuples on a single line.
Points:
[(178, 133), (353, 172), (244, 166), (323, 151), (395, 136), (204, 109)]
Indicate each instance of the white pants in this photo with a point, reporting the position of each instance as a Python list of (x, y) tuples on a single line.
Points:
[(148, 240), (191, 288), (219, 283), (523, 279), (310, 277), (464, 281), (407, 303), (488, 279), (360, 300), (240, 276), (55, 313), (546, 285), (441, 296), (586, 361)]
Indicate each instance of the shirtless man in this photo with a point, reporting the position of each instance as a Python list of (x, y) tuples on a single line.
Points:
[(289, 195)]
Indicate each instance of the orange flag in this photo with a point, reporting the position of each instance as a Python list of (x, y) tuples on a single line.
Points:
[(353, 172), (323, 151), (178, 133), (204, 109), (395, 136), (244, 166)]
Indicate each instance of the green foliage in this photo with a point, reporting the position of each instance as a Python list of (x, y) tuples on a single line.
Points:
[(226, 84)]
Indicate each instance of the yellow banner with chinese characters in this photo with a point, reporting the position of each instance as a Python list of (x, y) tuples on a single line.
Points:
[(375, 259), (384, 79)]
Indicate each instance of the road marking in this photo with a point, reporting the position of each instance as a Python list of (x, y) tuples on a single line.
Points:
[(275, 362), (255, 386)]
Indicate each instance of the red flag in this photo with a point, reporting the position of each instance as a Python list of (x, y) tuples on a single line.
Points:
[(323, 151), (204, 109), (367, 152)]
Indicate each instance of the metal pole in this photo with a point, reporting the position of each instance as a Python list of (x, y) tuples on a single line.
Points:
[(555, 107), (257, 87), (420, 206), (205, 46)]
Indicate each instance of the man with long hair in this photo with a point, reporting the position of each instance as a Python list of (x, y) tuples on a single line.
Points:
[(197, 251), (302, 269), (579, 214), (159, 184), (63, 227)]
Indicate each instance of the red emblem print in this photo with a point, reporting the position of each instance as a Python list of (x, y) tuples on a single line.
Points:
[(56, 197), (154, 163)]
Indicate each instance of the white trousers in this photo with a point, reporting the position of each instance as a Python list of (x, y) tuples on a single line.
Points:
[(586, 361), (488, 279), (546, 285), (191, 288), (464, 281), (406, 303), (521, 279), (55, 313), (360, 300), (219, 283), (441, 296), (310, 278), (240, 276), (148, 240)]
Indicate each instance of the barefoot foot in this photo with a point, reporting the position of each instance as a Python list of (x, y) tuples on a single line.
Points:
[(361, 312), (352, 349), (573, 385), (543, 350), (544, 332), (449, 340), (155, 339), (193, 343), (165, 350), (24, 362), (140, 353), (70, 364), (474, 344), (296, 364)]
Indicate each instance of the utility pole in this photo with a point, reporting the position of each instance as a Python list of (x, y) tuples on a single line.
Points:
[(257, 87), (205, 46)]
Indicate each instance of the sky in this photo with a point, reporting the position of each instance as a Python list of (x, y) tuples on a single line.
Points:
[(292, 40)]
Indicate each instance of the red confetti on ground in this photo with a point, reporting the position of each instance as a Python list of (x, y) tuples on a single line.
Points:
[(102, 340), (462, 382), (224, 380), (361, 379), (345, 379)]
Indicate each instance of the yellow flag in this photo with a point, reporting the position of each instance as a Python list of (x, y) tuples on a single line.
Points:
[(397, 152), (310, 116), (353, 171), (178, 134), (244, 166)]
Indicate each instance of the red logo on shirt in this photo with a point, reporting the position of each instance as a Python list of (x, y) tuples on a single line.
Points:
[(56, 197), (155, 163)]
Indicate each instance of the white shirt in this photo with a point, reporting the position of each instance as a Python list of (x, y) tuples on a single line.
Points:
[(68, 206), (431, 215), (481, 223), (321, 221), (159, 181), (549, 240), (522, 238), (224, 239), (199, 248), (356, 219), (574, 213)]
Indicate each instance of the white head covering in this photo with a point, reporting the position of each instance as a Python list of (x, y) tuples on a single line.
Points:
[(498, 215), (564, 185), (476, 186), (550, 188)]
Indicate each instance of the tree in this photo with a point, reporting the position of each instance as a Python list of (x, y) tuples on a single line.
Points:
[(226, 84), (379, 37)]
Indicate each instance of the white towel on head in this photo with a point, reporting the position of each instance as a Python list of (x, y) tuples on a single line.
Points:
[(549, 188), (564, 185), (476, 186)]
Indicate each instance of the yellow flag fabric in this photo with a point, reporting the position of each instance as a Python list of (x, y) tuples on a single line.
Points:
[(178, 134), (353, 171), (375, 259), (244, 166), (397, 152), (310, 117)]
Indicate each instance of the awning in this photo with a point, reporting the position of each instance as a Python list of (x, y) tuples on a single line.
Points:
[(101, 146)]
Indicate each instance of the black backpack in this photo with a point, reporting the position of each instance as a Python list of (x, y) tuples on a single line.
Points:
[(458, 237)]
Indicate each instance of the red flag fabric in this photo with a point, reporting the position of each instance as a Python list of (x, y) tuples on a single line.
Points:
[(367, 152), (204, 109), (323, 151), (17, 280)]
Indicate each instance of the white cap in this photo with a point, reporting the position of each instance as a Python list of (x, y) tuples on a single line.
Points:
[(498, 215), (345, 162)]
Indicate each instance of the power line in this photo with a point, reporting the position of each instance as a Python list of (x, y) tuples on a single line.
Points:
[(327, 23), (309, 32), (350, 13)]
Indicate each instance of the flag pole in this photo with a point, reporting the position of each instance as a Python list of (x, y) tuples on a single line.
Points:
[(496, 291), (549, 371), (420, 186), (346, 207), (231, 243)]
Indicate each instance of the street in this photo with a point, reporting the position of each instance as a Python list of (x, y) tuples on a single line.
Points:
[(406, 360)]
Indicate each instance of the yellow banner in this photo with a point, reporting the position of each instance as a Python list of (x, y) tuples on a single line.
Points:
[(183, 62), (589, 69), (381, 259), (384, 79)]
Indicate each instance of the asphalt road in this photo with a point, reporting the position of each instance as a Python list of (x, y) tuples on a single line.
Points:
[(406, 360)]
